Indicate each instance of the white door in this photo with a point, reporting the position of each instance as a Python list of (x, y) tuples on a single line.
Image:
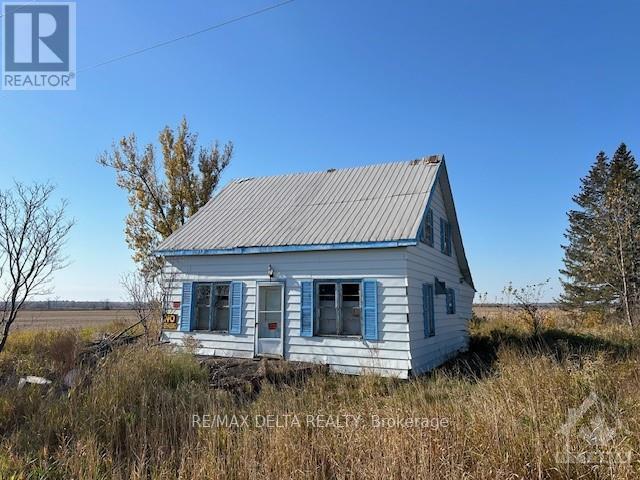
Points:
[(270, 320)]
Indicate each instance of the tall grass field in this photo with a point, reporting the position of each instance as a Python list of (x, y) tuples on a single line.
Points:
[(564, 404)]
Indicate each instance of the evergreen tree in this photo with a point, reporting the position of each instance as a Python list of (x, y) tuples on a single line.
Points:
[(623, 229), (583, 287), (602, 258)]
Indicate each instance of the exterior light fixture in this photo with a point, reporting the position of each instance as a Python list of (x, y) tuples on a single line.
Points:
[(270, 272)]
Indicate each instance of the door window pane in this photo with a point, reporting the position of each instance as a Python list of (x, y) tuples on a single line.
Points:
[(269, 324), (270, 299)]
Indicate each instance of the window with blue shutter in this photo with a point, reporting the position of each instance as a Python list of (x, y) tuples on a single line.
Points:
[(445, 236), (185, 307), (428, 310), (427, 228), (306, 309), (370, 303), (451, 301), (235, 321)]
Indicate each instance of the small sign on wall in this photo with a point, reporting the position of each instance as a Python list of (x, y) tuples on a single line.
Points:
[(175, 304), (170, 321)]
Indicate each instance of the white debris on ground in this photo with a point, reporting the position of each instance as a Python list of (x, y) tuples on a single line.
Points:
[(33, 380)]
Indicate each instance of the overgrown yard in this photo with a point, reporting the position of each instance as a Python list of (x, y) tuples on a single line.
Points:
[(497, 412)]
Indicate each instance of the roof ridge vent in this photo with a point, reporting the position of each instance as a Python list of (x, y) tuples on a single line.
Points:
[(331, 170), (431, 159)]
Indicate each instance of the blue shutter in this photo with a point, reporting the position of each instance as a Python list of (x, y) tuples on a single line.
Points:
[(185, 307), (430, 223), (425, 300), (448, 224), (235, 322), (442, 228), (306, 309), (453, 301), (428, 309), (370, 302)]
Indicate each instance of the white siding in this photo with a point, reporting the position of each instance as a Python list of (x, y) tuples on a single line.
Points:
[(424, 263), (212, 343), (400, 273), (388, 356)]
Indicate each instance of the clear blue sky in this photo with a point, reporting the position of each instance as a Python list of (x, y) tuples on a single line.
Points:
[(519, 96)]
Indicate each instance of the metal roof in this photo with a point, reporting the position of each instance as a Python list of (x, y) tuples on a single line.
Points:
[(340, 208)]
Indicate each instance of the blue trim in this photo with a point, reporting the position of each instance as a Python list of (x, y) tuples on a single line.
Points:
[(370, 309), (428, 310), (445, 236), (287, 248), (186, 307), (307, 307), (236, 299)]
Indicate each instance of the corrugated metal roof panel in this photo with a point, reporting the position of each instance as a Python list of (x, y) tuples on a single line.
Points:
[(374, 203)]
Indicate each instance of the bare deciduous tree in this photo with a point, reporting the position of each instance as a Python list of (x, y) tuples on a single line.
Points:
[(149, 299), (527, 300), (32, 234)]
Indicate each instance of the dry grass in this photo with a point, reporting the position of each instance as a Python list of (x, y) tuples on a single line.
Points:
[(493, 414)]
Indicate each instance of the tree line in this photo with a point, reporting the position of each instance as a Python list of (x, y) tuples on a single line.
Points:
[(602, 255)]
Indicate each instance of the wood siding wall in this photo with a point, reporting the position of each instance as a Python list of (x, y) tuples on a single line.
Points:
[(388, 356), (424, 263)]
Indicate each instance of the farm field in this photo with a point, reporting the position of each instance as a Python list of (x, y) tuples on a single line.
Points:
[(498, 411), (69, 319), (98, 319)]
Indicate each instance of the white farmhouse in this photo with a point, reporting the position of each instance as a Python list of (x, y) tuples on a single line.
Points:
[(362, 269)]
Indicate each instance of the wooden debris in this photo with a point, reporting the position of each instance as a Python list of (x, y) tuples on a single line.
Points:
[(246, 376)]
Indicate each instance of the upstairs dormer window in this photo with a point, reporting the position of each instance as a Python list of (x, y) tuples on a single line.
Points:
[(445, 236), (427, 229)]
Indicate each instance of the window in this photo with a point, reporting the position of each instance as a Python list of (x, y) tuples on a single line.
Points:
[(428, 310), (338, 308), (203, 306), (451, 301), (220, 319), (212, 307), (350, 309), (427, 229), (445, 236)]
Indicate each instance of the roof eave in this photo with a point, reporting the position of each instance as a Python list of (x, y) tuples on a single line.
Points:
[(286, 248)]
